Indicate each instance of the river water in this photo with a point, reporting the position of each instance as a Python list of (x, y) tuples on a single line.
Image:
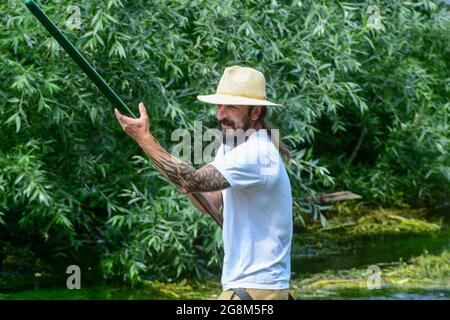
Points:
[(361, 253)]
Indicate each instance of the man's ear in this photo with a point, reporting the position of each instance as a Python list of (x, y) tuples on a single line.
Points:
[(256, 113)]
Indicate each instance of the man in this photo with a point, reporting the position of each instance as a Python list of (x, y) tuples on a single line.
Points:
[(247, 178)]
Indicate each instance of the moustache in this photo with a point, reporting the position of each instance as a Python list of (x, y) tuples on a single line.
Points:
[(226, 122)]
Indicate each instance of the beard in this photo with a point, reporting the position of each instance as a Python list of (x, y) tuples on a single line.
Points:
[(236, 134)]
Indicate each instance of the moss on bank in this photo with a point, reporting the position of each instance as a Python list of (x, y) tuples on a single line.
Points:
[(420, 273), (348, 223), (361, 220)]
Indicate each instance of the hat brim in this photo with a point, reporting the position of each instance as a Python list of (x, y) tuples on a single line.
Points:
[(235, 100)]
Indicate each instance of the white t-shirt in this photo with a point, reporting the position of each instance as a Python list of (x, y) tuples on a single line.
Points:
[(257, 213)]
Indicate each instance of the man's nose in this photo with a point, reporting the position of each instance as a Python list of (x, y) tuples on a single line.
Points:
[(220, 112)]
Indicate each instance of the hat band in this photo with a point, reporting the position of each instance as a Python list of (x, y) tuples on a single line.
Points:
[(241, 96)]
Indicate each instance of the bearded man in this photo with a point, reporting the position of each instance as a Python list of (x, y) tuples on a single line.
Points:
[(247, 179)]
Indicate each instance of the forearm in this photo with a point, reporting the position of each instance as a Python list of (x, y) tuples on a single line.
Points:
[(182, 174), (205, 203), (214, 198)]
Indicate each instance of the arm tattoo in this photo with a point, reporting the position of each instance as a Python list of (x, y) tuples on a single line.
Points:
[(205, 179)]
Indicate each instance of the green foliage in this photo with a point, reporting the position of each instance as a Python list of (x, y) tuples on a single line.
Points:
[(67, 172), (165, 231)]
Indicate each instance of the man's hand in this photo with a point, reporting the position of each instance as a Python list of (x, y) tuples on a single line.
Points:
[(206, 181), (138, 129)]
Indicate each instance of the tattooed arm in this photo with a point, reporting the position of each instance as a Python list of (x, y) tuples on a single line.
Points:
[(189, 179), (207, 180)]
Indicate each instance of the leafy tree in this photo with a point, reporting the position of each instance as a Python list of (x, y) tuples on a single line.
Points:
[(366, 110)]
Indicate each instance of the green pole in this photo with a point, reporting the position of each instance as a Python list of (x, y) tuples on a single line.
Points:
[(77, 57), (101, 84)]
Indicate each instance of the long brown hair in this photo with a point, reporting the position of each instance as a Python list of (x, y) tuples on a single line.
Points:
[(279, 144)]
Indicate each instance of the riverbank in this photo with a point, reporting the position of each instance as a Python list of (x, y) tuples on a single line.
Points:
[(409, 248), (426, 276), (363, 219), (349, 224), (425, 273)]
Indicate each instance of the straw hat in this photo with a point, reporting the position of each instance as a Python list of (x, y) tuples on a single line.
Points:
[(240, 86)]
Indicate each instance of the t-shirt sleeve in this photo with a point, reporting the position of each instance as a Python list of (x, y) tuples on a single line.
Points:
[(242, 166)]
